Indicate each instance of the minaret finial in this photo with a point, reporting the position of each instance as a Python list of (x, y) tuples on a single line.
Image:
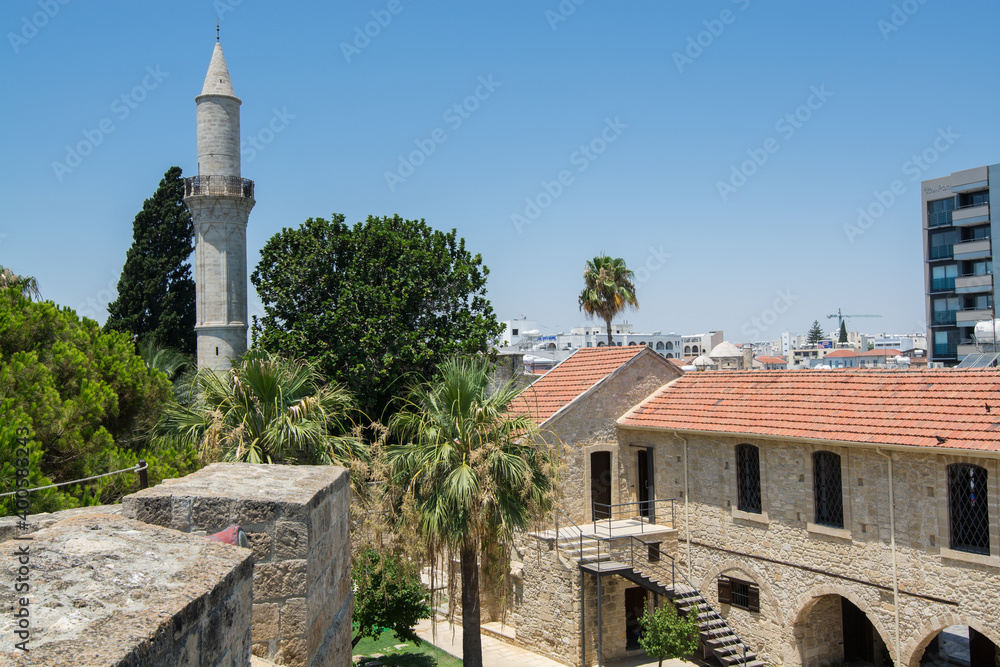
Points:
[(217, 31)]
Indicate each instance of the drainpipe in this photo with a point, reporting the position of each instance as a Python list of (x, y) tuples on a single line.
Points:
[(687, 516), (892, 542)]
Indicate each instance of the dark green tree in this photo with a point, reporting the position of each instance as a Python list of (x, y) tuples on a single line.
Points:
[(667, 635), (85, 400), (156, 292), (377, 305), (388, 594), (815, 334), (843, 332)]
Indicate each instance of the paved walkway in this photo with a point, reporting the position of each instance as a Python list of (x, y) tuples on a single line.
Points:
[(498, 653)]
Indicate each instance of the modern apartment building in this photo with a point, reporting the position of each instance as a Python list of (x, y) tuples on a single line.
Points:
[(959, 282)]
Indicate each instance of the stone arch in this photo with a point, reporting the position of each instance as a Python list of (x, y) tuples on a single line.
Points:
[(806, 601), (913, 649), (774, 611)]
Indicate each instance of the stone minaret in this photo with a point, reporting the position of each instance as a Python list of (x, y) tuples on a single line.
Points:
[(220, 201)]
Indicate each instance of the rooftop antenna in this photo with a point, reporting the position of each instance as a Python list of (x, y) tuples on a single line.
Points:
[(216, 31)]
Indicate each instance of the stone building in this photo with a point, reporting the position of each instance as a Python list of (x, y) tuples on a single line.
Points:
[(830, 516), (819, 516), (219, 200)]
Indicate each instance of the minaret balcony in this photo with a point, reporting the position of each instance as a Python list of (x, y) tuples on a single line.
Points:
[(232, 186)]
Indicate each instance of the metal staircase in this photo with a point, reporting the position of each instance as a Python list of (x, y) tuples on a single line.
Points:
[(631, 558)]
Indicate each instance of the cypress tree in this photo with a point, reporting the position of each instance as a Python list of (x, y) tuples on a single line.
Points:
[(843, 332), (156, 291)]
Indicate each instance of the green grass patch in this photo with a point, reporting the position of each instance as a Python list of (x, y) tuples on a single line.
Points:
[(410, 655)]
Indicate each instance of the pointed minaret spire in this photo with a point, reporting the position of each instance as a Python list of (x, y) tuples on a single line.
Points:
[(217, 80)]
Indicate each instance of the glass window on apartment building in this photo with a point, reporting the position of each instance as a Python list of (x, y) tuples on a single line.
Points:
[(946, 343), (945, 309), (943, 277), (939, 212), (942, 242), (970, 199)]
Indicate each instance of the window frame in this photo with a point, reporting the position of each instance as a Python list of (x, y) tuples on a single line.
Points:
[(954, 473), (828, 488), (748, 475), (727, 593)]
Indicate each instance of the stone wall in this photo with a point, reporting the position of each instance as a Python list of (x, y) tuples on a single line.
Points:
[(795, 562), (105, 590), (296, 518)]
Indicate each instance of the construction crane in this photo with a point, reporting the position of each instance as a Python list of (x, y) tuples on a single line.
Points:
[(841, 317)]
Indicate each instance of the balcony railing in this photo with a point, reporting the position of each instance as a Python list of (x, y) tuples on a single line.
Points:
[(938, 219), (944, 316), (942, 284), (942, 251), (945, 350), (232, 186)]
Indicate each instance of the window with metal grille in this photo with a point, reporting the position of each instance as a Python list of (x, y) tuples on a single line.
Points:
[(828, 494), (748, 478), (739, 593), (968, 508)]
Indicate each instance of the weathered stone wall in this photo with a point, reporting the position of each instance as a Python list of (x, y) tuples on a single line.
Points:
[(794, 561), (296, 519), (547, 618), (111, 591)]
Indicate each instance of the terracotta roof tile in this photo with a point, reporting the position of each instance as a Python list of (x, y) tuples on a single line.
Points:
[(582, 370), (864, 406), (842, 353), (772, 360)]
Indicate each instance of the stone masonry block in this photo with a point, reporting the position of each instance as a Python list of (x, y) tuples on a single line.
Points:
[(272, 581), (291, 540), (265, 622), (293, 618)]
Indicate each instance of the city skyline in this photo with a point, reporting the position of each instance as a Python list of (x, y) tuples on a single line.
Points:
[(736, 155)]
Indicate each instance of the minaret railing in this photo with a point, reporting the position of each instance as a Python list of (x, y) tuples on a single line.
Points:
[(218, 186)]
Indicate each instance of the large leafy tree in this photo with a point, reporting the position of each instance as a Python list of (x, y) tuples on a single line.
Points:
[(388, 594), (156, 294), (85, 400), (373, 304), (266, 409), (471, 474), (608, 289)]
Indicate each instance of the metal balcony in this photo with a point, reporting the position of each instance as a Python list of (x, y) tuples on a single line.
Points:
[(231, 186)]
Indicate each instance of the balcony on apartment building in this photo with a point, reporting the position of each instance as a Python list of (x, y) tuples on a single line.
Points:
[(972, 315), (971, 249), (970, 215), (971, 284)]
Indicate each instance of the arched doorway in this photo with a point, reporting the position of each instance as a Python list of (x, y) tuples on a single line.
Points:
[(831, 629), (957, 646)]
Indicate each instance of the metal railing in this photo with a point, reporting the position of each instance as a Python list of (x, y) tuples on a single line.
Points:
[(643, 511), (218, 185)]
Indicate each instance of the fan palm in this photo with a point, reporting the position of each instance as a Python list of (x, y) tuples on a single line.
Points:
[(26, 284), (608, 289), (266, 409), (471, 473)]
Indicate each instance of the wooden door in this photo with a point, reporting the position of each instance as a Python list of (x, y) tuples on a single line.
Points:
[(600, 484)]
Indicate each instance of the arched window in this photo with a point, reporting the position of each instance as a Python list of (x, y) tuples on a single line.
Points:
[(694, 349), (670, 355), (687, 349), (632, 343), (670, 345), (827, 491), (601, 344), (968, 509), (659, 345), (748, 478)]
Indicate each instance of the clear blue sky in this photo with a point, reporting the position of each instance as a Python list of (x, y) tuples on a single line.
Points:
[(665, 119)]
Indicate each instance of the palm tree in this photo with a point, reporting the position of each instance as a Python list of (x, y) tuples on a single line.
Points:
[(471, 473), (608, 289), (267, 409), (26, 284)]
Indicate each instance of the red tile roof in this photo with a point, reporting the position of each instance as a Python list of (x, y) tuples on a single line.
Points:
[(876, 407), (842, 353), (881, 353), (772, 360), (581, 371)]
